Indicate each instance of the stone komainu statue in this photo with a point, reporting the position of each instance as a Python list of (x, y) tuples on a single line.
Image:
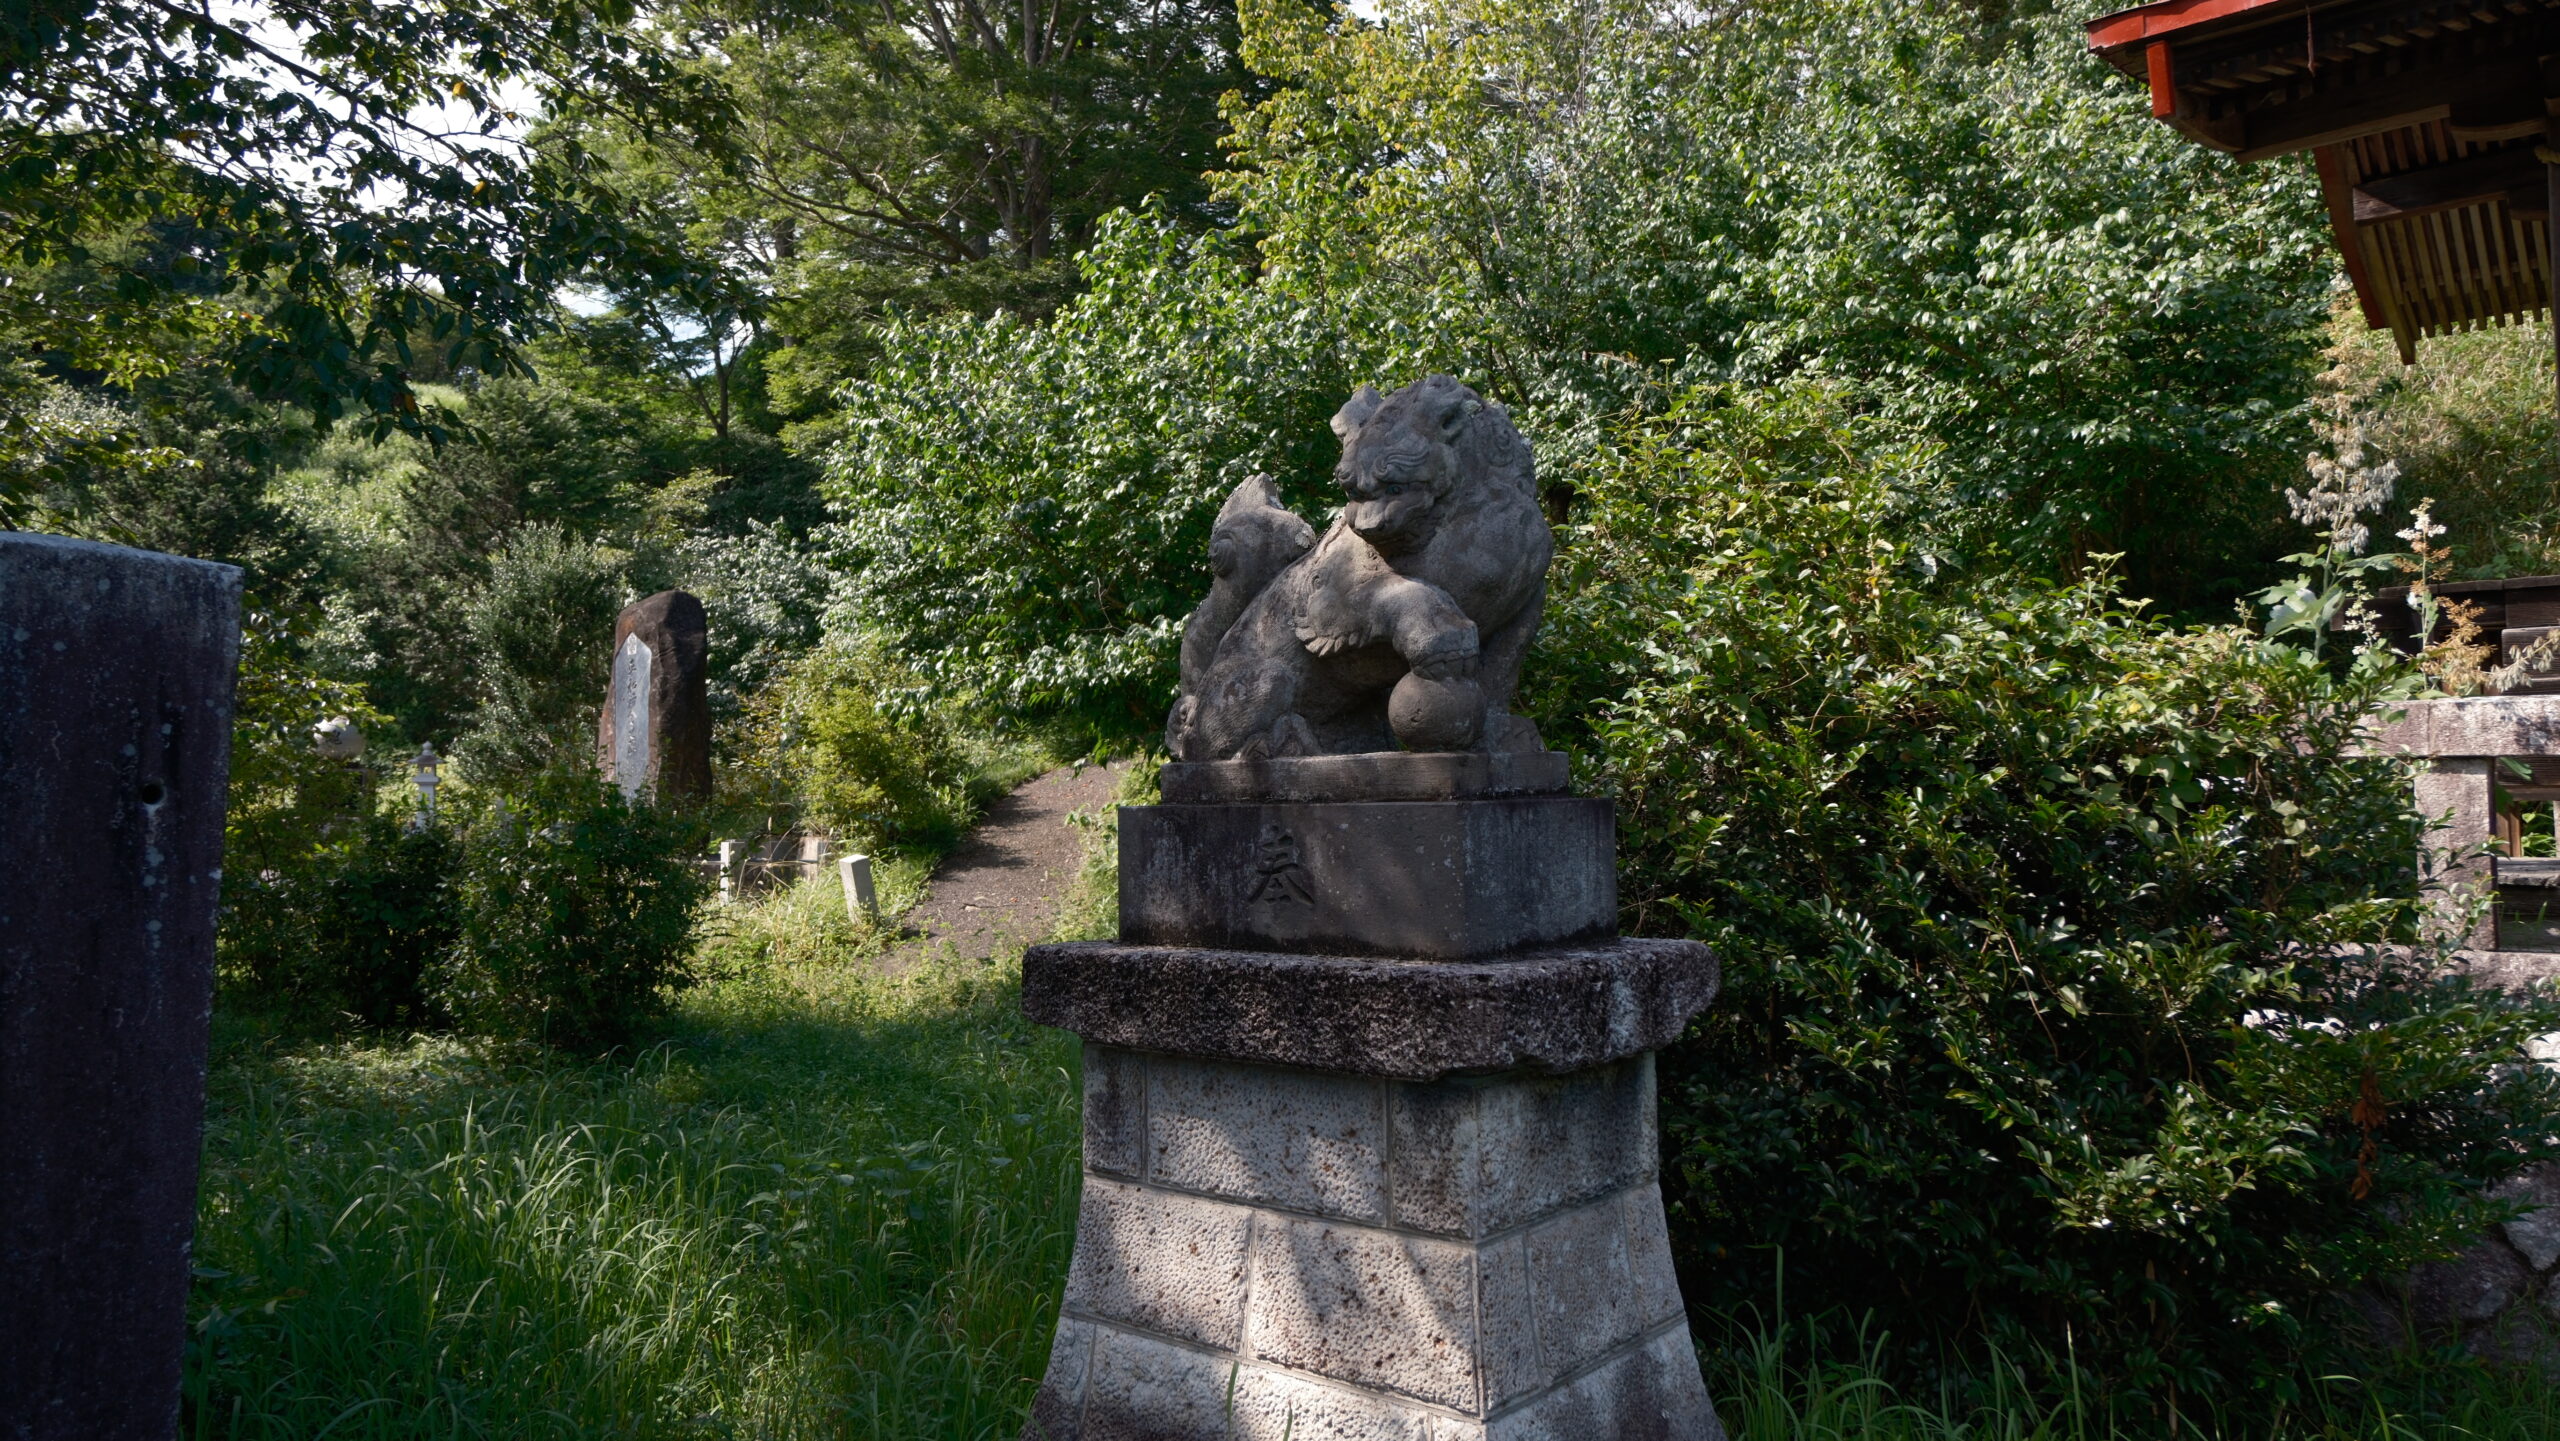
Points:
[(1404, 624)]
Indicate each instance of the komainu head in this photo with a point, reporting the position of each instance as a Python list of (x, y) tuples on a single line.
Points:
[(1400, 459)]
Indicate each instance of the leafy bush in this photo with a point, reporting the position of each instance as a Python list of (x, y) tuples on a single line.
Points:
[(541, 633), (1953, 210), (2470, 425), (1027, 507), (559, 913), (847, 743), (284, 794), (538, 455), (577, 915), (350, 932), (2073, 984), (764, 595), (330, 910), (2108, 331)]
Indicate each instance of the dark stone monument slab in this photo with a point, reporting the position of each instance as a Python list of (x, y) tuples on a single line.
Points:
[(116, 673), (655, 734)]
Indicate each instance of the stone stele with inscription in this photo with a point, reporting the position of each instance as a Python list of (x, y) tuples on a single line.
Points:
[(654, 735), (1369, 1109), (631, 715)]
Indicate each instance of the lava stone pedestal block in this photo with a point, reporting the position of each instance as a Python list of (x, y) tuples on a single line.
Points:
[(1372, 1197)]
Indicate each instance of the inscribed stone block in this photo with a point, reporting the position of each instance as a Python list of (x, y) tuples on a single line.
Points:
[(1172, 1264), (629, 708), (1299, 1139), (1370, 776), (1431, 880), (1369, 1307), (660, 649)]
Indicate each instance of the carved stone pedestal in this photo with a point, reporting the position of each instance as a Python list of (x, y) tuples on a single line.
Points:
[(1341, 1198)]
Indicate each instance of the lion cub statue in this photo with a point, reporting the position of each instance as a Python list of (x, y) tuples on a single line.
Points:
[(1405, 624)]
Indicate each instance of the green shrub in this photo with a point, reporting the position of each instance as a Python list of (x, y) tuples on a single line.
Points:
[(559, 913), (284, 795), (2470, 425), (2069, 980), (330, 911), (541, 629), (577, 915), (848, 744), (1952, 210), (2108, 331), (1026, 508), (352, 930)]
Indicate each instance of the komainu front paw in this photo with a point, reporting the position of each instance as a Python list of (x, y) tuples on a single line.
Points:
[(1321, 642), (1450, 655)]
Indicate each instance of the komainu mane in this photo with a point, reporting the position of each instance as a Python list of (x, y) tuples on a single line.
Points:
[(1405, 624)]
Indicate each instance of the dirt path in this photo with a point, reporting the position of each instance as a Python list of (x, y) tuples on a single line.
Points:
[(1001, 888)]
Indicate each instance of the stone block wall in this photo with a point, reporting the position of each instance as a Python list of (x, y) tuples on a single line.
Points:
[(1269, 1250)]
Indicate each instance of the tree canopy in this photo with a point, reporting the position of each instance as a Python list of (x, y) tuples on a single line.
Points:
[(315, 190)]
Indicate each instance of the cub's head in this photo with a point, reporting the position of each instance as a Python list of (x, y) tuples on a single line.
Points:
[(1398, 459)]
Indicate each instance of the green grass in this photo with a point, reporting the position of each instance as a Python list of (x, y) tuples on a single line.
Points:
[(1776, 1384), (826, 1203)]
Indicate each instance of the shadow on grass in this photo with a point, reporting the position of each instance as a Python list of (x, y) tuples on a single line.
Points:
[(838, 1209)]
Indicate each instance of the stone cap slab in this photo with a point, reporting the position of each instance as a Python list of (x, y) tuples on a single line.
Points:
[(2536, 871), (1374, 776), (1556, 1011), (2466, 726)]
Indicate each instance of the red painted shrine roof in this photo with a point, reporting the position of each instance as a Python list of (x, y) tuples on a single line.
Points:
[(2427, 120)]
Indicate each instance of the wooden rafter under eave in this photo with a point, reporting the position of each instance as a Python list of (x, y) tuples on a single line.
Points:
[(2431, 123)]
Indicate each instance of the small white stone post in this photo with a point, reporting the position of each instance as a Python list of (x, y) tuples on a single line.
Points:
[(860, 901), (729, 851)]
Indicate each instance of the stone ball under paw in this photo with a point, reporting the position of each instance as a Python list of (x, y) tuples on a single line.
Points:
[(1436, 715)]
